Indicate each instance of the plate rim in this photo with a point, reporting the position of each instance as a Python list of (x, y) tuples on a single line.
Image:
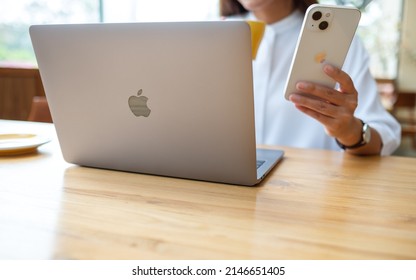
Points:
[(36, 141)]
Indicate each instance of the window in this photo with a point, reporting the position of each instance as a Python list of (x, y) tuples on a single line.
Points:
[(15, 42), (159, 10), (379, 27)]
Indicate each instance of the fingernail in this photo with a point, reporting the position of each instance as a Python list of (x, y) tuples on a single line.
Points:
[(302, 85), (294, 98), (329, 68)]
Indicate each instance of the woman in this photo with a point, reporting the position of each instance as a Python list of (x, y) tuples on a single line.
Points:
[(351, 117)]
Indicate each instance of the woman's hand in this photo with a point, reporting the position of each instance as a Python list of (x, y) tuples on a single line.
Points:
[(334, 108)]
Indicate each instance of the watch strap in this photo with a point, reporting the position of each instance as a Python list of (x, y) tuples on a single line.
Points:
[(360, 143)]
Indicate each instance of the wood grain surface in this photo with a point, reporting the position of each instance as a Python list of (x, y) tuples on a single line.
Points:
[(314, 205)]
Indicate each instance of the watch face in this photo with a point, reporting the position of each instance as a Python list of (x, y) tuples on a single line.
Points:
[(366, 133)]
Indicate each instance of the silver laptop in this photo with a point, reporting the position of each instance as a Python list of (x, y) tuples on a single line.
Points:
[(170, 99)]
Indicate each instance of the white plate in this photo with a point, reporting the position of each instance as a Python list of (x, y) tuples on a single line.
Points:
[(15, 144)]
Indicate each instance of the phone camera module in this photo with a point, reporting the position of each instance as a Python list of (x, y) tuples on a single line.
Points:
[(323, 25), (317, 15)]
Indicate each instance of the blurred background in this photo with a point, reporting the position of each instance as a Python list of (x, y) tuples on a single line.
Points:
[(386, 28), (379, 27)]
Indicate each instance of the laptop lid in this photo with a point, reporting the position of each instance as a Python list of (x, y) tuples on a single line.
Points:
[(171, 99)]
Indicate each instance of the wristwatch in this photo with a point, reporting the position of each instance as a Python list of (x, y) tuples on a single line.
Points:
[(365, 138)]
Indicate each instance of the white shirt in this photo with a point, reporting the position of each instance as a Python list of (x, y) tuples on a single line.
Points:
[(278, 122)]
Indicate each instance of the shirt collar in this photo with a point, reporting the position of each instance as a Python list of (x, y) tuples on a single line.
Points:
[(293, 20)]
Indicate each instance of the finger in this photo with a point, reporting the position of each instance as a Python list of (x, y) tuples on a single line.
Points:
[(319, 106), (321, 92), (343, 79)]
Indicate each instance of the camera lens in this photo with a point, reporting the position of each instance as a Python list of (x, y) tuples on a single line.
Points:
[(316, 15), (323, 25)]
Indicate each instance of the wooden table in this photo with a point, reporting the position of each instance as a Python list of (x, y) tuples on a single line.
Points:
[(314, 205)]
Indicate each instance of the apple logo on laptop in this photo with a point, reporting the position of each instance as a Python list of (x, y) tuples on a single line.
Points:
[(138, 104)]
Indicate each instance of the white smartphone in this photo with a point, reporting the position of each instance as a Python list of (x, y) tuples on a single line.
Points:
[(326, 36)]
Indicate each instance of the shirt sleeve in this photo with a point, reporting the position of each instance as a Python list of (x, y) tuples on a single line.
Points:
[(370, 108)]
